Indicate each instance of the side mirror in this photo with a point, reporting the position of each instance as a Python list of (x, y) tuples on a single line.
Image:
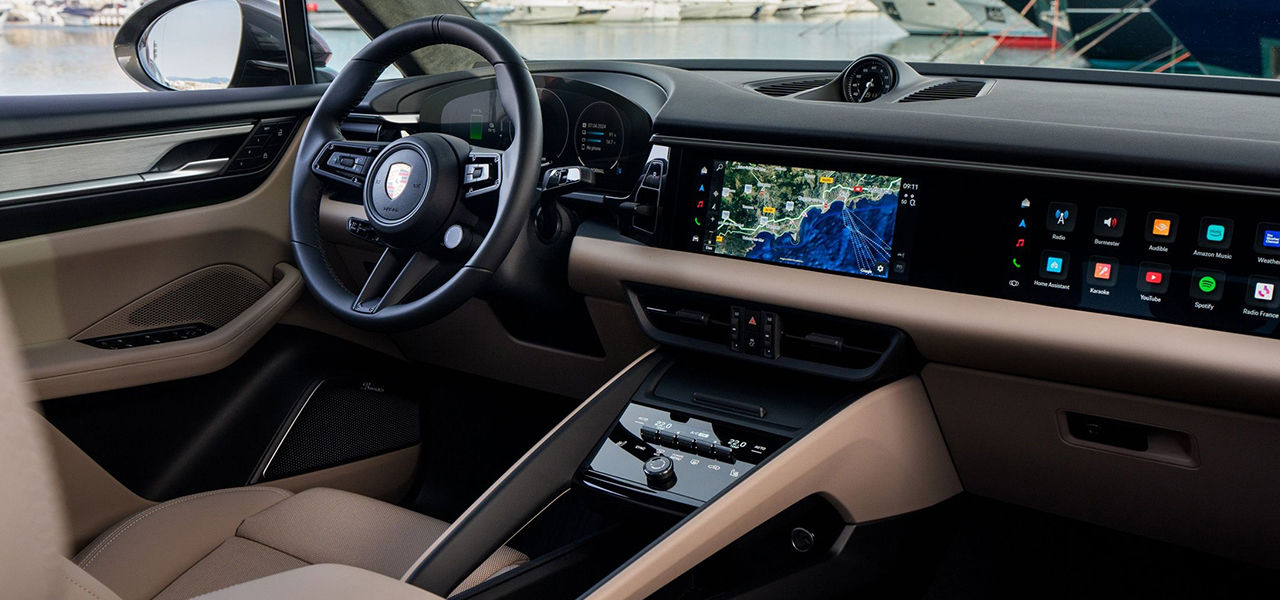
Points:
[(210, 44)]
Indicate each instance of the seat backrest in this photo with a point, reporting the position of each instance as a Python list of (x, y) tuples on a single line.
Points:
[(31, 508)]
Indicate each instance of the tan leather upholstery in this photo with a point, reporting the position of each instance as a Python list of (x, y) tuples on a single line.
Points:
[(200, 543), (323, 582), (34, 529), (76, 584)]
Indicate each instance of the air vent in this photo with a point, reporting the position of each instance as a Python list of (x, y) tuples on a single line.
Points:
[(787, 87), (949, 90)]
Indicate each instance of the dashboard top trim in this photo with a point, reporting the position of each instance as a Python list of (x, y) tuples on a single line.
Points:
[(870, 157)]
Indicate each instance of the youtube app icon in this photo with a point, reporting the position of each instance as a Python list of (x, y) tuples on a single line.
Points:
[(1153, 278)]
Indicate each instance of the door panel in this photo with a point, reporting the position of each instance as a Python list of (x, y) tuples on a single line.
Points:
[(79, 252)]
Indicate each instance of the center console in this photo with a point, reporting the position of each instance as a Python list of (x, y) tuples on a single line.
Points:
[(1170, 251), (698, 424)]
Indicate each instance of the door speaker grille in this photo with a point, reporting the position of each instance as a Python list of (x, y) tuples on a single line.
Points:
[(213, 296), (340, 423)]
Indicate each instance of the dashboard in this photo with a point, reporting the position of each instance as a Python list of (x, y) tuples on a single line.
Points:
[(958, 249)]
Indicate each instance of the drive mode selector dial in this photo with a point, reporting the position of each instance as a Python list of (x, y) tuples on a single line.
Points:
[(660, 472)]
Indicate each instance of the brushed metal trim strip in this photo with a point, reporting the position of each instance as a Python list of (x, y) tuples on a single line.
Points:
[(396, 119), (191, 170), (262, 476), (802, 152), (23, 170)]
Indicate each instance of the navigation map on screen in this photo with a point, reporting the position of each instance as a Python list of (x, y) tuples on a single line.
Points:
[(829, 220)]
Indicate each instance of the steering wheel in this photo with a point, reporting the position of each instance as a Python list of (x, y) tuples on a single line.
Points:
[(446, 213)]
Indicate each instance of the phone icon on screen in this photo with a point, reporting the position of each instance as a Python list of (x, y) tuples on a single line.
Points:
[(1016, 265)]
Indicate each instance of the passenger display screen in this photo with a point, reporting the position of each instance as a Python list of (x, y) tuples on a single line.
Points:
[(1198, 256), (819, 219)]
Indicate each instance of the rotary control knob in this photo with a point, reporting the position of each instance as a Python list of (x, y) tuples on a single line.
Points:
[(660, 472)]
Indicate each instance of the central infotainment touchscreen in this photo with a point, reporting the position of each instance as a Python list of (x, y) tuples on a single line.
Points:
[(814, 218)]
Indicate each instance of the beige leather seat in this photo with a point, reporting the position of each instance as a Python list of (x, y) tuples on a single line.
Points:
[(262, 538), (197, 544)]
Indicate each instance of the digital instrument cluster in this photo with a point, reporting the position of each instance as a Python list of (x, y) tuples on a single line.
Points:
[(583, 125)]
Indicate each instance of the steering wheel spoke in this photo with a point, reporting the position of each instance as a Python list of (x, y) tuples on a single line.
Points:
[(346, 162), (396, 275)]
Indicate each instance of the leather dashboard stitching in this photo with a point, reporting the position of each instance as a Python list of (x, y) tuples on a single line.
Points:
[(122, 528)]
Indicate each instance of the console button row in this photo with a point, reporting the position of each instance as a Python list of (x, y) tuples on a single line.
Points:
[(686, 443), (753, 332)]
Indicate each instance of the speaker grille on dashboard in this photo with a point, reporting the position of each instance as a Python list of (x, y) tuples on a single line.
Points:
[(341, 423), (213, 296)]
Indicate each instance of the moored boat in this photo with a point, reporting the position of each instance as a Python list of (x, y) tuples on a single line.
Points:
[(665, 10), (626, 11), (591, 12), (826, 7), (768, 9), (77, 16), (701, 9), (542, 12), (951, 17), (738, 9), (790, 8)]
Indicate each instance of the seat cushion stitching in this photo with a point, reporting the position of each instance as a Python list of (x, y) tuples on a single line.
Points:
[(82, 587), (84, 564)]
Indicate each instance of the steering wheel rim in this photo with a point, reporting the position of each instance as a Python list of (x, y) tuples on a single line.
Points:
[(517, 173)]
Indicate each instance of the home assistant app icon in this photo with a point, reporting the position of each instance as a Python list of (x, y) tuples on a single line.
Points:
[(1053, 264)]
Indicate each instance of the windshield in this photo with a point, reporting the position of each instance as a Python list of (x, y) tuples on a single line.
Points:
[(65, 46), (1227, 37)]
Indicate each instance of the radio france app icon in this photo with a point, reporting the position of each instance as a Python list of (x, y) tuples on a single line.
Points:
[(1264, 291)]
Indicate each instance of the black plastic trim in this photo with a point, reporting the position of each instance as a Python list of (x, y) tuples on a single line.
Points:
[(532, 483)]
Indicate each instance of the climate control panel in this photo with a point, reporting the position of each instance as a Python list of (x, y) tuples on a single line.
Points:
[(677, 457)]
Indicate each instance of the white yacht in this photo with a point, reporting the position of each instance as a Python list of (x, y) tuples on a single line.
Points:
[(626, 11), (790, 8), (826, 7), (861, 6), (665, 10), (738, 9), (768, 9), (701, 9), (542, 12), (943, 17), (592, 12)]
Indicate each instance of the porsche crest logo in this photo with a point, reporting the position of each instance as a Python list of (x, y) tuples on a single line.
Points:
[(398, 179)]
